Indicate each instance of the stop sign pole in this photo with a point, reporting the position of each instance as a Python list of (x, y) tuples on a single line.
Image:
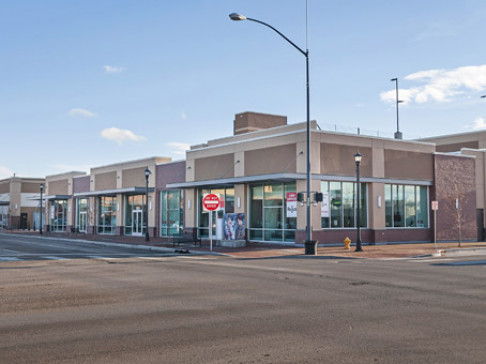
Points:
[(210, 203)]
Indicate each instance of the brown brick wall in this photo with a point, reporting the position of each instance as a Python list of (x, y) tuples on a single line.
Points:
[(454, 177)]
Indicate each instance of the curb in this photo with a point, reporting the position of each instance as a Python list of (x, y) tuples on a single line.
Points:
[(177, 251), (462, 252)]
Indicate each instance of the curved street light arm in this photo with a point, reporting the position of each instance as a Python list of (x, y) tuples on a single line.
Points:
[(283, 36)]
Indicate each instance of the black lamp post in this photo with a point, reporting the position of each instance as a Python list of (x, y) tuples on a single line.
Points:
[(357, 160), (398, 134), (147, 174), (41, 190), (308, 233)]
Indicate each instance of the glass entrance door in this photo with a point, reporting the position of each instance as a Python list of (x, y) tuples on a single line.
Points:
[(83, 221), (137, 222)]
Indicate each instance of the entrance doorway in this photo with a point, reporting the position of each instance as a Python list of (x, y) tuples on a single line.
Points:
[(83, 222), (137, 222)]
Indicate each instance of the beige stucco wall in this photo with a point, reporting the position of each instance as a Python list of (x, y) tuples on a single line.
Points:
[(214, 167), (105, 181), (134, 177), (279, 159), (454, 143), (409, 165)]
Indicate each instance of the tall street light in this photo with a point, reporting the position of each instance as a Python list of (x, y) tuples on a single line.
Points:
[(41, 190), (147, 174), (398, 134), (357, 160), (308, 233)]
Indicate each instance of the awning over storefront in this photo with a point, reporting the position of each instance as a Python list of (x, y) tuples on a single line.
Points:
[(285, 177), (282, 177), (127, 190), (57, 197)]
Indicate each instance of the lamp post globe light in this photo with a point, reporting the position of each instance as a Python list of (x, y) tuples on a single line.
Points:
[(147, 174), (41, 187), (308, 232), (357, 160)]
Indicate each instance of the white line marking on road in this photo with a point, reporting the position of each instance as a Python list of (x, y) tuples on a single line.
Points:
[(9, 259)]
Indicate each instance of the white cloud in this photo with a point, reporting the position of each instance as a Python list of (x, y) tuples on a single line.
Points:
[(5, 172), (119, 135), (440, 85), (479, 123), (183, 115), (82, 112), (113, 69), (178, 149)]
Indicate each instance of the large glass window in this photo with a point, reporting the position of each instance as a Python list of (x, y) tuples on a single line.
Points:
[(341, 199), (82, 214), (171, 213), (406, 206), (106, 214), (227, 203), (270, 219), (58, 215)]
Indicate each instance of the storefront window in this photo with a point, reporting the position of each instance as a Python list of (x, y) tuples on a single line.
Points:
[(58, 215), (398, 206), (270, 217), (388, 206), (106, 214), (406, 206), (340, 197), (82, 214), (171, 213)]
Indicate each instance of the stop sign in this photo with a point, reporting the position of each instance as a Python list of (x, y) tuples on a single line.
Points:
[(210, 202)]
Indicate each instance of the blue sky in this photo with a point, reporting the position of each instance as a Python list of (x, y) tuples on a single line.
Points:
[(88, 83)]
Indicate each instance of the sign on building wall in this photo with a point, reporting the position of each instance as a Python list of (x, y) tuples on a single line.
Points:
[(291, 204), (325, 205)]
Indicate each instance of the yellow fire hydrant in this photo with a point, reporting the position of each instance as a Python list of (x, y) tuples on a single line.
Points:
[(347, 241)]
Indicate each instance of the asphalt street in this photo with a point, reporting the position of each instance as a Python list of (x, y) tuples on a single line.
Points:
[(188, 309), (32, 247)]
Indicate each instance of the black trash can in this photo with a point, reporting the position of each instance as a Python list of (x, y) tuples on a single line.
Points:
[(310, 247)]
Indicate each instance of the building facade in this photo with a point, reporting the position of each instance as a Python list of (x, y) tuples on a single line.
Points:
[(258, 173), (19, 203)]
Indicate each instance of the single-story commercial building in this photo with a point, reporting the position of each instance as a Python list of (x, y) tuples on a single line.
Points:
[(258, 172)]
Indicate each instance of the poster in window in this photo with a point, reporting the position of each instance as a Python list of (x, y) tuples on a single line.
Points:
[(291, 204), (325, 204)]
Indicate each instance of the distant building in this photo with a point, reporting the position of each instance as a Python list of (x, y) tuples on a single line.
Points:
[(19, 203)]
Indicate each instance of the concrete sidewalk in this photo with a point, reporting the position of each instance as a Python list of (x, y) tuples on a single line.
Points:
[(382, 251)]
